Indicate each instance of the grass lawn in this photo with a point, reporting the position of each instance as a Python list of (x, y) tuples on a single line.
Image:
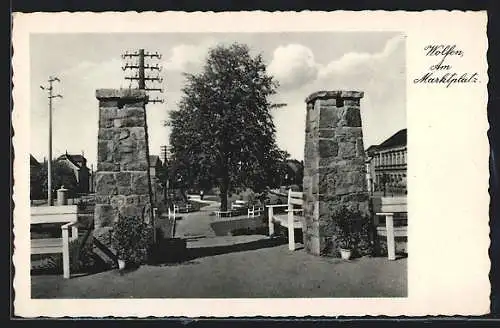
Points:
[(251, 271)]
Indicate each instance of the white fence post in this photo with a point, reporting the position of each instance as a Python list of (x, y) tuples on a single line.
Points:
[(270, 220), (291, 229), (65, 251), (74, 232), (391, 245)]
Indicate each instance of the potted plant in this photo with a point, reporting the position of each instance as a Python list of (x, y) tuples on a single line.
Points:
[(132, 239), (346, 221)]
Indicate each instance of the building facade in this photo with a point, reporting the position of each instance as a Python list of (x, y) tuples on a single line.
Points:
[(387, 165), (78, 163), (155, 165)]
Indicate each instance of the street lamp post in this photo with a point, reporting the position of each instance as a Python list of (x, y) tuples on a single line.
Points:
[(49, 162)]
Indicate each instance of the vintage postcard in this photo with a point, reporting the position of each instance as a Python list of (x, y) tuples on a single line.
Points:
[(250, 164)]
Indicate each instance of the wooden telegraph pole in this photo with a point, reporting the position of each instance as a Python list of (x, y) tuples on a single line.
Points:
[(140, 76), (140, 68), (49, 89)]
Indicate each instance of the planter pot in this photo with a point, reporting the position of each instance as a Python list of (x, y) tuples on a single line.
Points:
[(345, 254), (121, 264)]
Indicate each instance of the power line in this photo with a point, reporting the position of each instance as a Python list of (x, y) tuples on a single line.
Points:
[(140, 69), (50, 96)]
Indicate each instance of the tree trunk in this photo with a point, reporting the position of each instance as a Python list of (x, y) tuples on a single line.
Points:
[(223, 195)]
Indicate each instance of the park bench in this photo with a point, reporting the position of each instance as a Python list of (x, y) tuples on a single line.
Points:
[(221, 214), (66, 214), (289, 220), (392, 208), (254, 211), (239, 204)]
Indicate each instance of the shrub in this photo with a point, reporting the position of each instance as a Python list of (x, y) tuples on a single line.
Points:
[(352, 231), (132, 239)]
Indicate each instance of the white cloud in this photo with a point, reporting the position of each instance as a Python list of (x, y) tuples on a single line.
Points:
[(353, 61), (186, 57), (293, 65), (380, 75)]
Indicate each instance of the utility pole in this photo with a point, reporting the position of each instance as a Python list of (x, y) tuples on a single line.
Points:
[(49, 89), (140, 71), (163, 150)]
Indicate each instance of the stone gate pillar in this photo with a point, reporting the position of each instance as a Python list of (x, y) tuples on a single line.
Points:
[(122, 182), (334, 163)]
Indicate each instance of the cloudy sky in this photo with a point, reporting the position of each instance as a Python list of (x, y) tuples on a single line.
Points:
[(373, 62)]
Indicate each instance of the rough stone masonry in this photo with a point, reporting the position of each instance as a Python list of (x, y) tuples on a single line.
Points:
[(334, 163), (122, 182)]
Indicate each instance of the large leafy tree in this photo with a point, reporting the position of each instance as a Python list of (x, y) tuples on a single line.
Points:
[(62, 175), (223, 134)]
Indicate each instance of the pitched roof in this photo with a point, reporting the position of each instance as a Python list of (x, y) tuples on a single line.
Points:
[(33, 161), (73, 159), (397, 139)]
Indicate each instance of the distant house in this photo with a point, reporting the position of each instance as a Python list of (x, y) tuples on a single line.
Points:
[(35, 187), (34, 164), (387, 164), (78, 163), (155, 165)]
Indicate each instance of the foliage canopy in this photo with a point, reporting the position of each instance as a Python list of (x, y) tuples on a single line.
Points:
[(223, 134)]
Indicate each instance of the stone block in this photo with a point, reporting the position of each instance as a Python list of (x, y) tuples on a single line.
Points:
[(328, 148), (328, 117), (105, 134), (326, 179), (139, 182), (360, 149), (313, 245), (353, 116), (104, 215), (106, 116), (328, 102), (105, 151), (132, 200), (105, 183), (327, 133), (127, 122), (334, 94), (104, 166), (351, 133), (108, 103), (130, 95), (347, 150), (134, 166), (128, 210), (351, 101)]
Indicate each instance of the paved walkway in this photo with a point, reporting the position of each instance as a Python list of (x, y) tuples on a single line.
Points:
[(204, 229), (196, 223)]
